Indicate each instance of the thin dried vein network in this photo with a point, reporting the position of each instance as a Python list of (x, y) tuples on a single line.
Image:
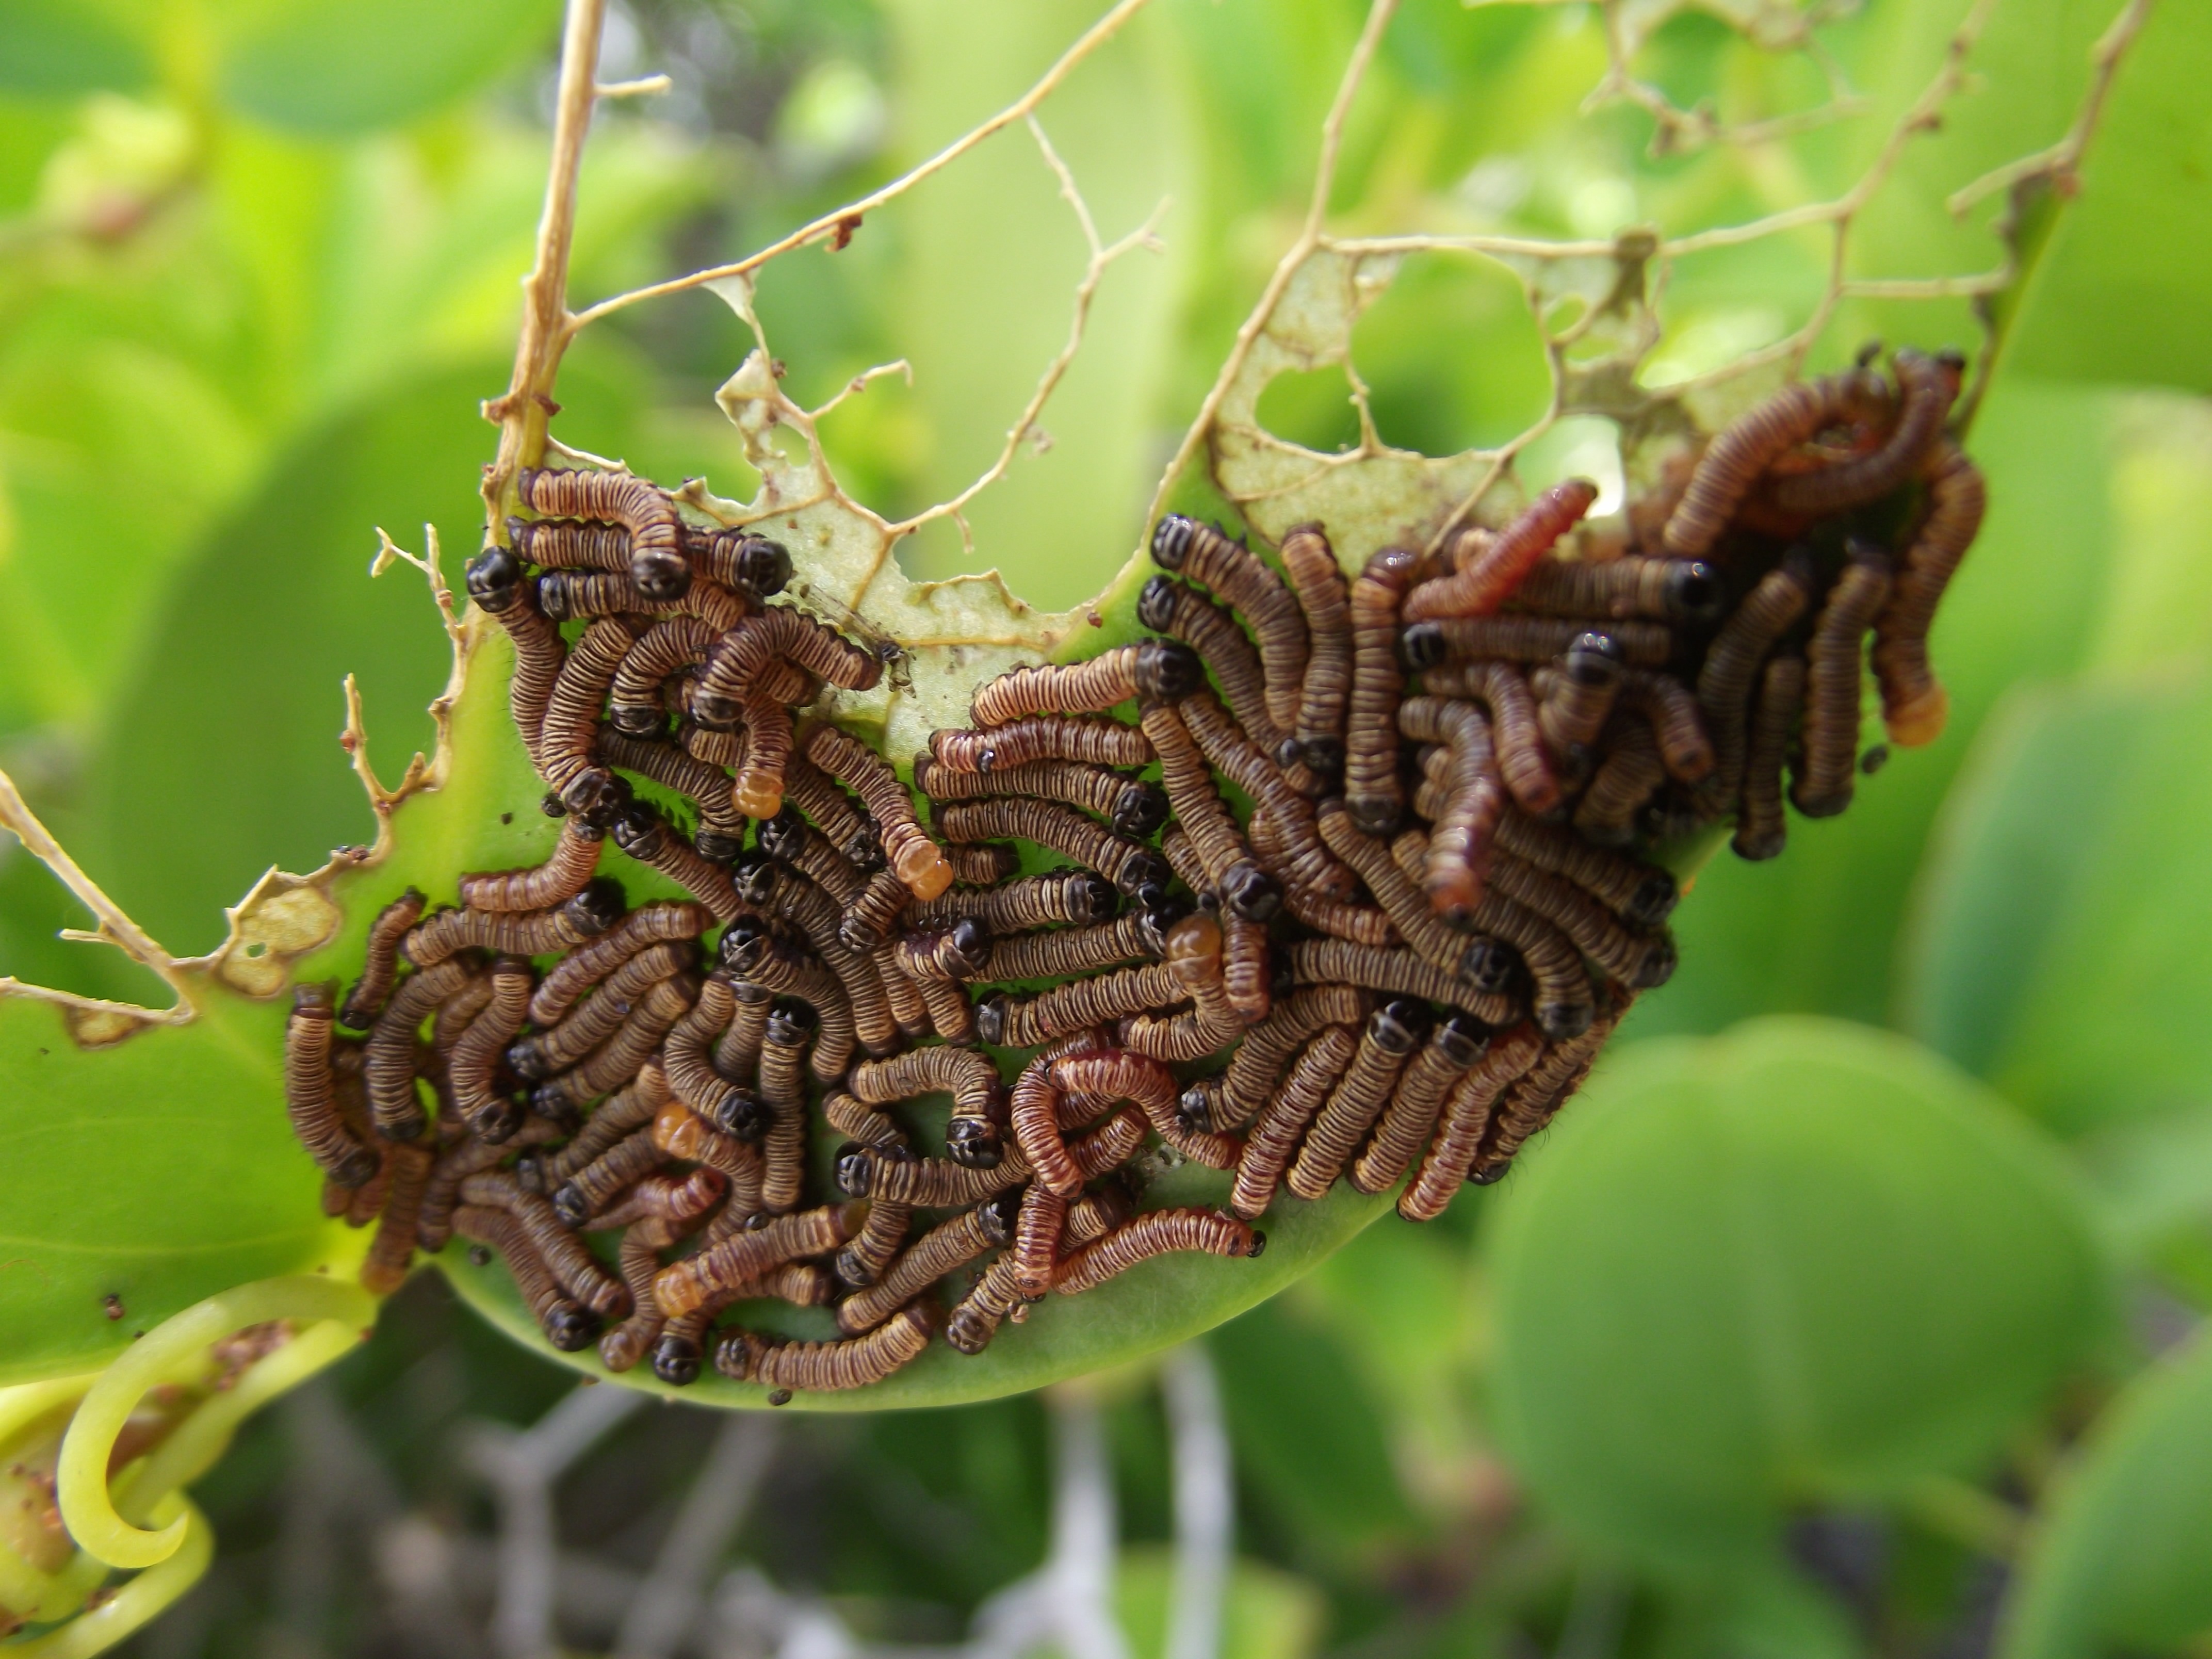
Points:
[(1344, 876)]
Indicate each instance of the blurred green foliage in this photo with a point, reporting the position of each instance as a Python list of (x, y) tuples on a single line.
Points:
[(1761, 1294)]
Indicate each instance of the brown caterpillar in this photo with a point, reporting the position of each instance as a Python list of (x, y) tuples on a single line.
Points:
[(1530, 1101), (941, 1251), (1445, 1166), (821, 1367), (598, 1018), (744, 1256), (575, 856), (1761, 826), (1160, 669), (1487, 579), (740, 559), (1449, 654), (1360, 1095), (1659, 590), (568, 1325), (928, 1183), (657, 564), (1450, 951), (1927, 386), (977, 1318), (615, 1062), (474, 1061), (1581, 696), (1097, 740), (1130, 806), (1055, 898), (1914, 705), (1834, 664), (914, 858), (571, 726), (366, 1000), (1454, 1045), (1252, 592), (590, 913), (308, 1096), (1733, 660), (661, 921), (1231, 869), (1130, 864), (740, 656), (1318, 732), (1283, 1122), (721, 826), (1112, 1074), (1373, 791), (1158, 1232), (1304, 861), (579, 1272), (1168, 606), (1466, 824), (570, 543), (389, 1060), (1257, 1065), (1733, 461), (983, 864), (569, 595)]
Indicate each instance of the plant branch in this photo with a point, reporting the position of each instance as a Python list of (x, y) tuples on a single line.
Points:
[(841, 221), (524, 412)]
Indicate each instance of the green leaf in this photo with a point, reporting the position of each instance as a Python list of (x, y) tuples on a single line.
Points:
[(2123, 1558), (336, 67), (2064, 933), (158, 1171), (1802, 1262), (55, 49)]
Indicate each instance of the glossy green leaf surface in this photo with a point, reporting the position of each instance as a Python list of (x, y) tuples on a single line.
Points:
[(158, 1171), (2064, 936), (1800, 1261), (2122, 1560)]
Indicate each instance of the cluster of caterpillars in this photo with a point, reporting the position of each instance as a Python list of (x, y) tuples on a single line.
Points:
[(1333, 877)]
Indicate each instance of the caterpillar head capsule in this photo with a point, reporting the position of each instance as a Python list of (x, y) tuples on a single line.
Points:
[(1168, 670), (745, 1114), (494, 579), (598, 907)]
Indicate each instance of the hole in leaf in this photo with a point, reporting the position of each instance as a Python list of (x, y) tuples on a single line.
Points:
[(1313, 408), (1451, 357), (1580, 447)]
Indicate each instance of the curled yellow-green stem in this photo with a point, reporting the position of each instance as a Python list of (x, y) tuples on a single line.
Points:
[(137, 1601), (173, 1351), (25, 1403)]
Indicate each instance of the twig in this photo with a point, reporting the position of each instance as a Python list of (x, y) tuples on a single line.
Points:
[(1102, 256), (116, 926), (523, 413), (2060, 162), (841, 219)]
